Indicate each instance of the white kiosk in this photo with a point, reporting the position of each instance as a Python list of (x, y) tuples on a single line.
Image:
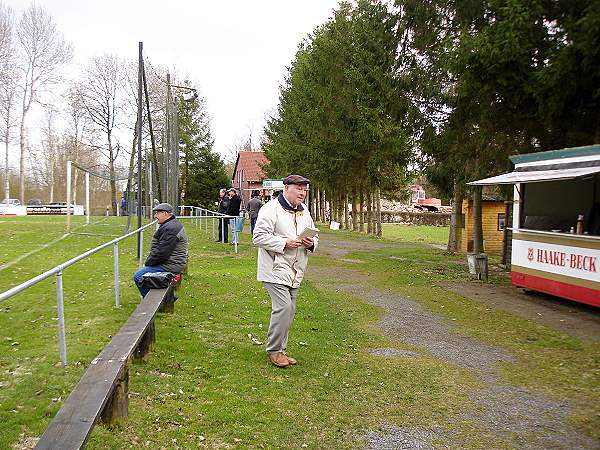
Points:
[(556, 222)]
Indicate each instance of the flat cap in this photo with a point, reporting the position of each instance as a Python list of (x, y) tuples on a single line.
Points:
[(163, 207), (296, 179), (232, 190)]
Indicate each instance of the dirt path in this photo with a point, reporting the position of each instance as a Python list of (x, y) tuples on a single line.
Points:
[(516, 416)]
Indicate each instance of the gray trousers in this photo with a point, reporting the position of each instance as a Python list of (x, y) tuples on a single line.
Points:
[(283, 307)]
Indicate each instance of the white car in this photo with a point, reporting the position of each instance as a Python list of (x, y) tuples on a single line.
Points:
[(11, 202)]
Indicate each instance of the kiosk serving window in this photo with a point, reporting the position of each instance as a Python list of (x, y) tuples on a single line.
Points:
[(556, 205)]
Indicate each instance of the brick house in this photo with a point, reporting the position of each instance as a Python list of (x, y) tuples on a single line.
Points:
[(248, 174)]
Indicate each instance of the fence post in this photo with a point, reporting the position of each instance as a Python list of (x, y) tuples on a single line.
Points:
[(141, 234), (116, 266), (222, 230), (235, 236), (61, 319), (213, 226)]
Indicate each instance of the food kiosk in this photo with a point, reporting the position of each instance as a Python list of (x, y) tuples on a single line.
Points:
[(556, 222)]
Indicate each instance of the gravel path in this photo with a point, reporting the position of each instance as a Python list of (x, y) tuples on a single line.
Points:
[(516, 416)]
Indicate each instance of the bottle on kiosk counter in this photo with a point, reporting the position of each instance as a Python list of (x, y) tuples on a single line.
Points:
[(579, 228)]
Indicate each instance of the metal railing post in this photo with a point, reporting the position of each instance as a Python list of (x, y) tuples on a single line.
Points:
[(61, 319), (213, 226), (235, 237), (223, 231), (116, 266), (141, 234)]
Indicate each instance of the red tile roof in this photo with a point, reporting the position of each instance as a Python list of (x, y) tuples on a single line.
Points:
[(251, 163)]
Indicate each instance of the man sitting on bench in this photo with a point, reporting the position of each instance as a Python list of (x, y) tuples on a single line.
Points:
[(169, 248)]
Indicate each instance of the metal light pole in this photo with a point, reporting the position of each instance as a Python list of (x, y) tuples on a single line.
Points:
[(139, 149)]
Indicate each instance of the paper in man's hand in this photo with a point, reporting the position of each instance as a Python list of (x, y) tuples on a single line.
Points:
[(308, 232)]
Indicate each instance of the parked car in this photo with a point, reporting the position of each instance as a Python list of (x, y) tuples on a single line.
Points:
[(34, 202), (11, 202)]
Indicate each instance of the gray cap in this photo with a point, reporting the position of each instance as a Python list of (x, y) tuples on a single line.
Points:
[(163, 207), (296, 179)]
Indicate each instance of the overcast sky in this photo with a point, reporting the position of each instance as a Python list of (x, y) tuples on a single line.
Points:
[(235, 51)]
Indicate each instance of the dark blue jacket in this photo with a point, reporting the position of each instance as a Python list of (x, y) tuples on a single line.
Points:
[(169, 247)]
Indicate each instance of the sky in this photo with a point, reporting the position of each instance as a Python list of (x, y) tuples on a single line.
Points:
[(235, 52)]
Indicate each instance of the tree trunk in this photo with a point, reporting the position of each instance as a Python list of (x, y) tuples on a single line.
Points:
[(340, 206), (346, 215), (23, 145), (369, 213), (113, 183), (323, 206), (51, 182), (454, 235), (378, 209), (332, 208), (477, 223), (6, 182), (355, 211), (362, 211)]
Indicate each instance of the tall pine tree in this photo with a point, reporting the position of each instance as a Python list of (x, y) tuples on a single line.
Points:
[(202, 170)]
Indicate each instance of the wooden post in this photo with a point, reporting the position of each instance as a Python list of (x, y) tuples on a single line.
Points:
[(168, 304), (116, 409), (146, 344)]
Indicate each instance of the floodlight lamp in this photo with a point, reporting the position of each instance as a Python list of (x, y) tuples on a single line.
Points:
[(190, 95)]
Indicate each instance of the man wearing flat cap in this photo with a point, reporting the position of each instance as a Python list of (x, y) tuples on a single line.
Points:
[(169, 248), (282, 260)]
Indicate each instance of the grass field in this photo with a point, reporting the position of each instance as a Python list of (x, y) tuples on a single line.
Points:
[(410, 233), (208, 385)]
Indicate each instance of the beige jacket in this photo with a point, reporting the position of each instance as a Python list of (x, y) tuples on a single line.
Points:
[(274, 226)]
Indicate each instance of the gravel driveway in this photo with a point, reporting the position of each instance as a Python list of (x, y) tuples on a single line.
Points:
[(516, 416)]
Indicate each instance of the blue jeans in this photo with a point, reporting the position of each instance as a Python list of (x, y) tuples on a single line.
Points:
[(137, 277), (252, 224), (234, 232)]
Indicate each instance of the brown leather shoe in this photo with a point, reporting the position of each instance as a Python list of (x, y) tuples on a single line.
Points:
[(291, 360), (279, 359)]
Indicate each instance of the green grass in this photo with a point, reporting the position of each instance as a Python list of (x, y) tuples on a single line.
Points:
[(207, 385), (427, 234), (548, 361)]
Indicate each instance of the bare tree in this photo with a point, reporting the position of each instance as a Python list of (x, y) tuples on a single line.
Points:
[(8, 85), (48, 159), (101, 99), (43, 51), (78, 127)]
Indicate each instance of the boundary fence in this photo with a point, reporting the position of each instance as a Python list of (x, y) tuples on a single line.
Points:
[(58, 270), (200, 216)]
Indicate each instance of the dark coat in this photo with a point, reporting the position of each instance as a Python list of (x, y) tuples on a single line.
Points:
[(169, 247), (224, 204), (234, 206)]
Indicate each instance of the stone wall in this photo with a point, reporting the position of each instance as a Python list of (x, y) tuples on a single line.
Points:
[(414, 218)]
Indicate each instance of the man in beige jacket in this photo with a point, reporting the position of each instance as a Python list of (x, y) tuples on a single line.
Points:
[(282, 259)]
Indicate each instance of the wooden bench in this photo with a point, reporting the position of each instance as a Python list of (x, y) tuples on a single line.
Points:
[(102, 392)]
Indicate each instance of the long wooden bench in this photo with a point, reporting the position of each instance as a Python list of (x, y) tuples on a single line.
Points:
[(102, 392)]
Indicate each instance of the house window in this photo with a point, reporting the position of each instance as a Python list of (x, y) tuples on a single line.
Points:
[(501, 221)]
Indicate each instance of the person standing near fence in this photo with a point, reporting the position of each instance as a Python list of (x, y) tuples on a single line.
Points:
[(254, 206), (223, 203), (169, 247), (282, 260), (233, 209)]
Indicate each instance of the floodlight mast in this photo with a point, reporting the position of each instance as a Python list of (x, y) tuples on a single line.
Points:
[(171, 181), (139, 152)]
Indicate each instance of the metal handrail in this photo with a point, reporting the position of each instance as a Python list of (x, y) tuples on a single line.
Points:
[(210, 215), (15, 290), (57, 270)]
